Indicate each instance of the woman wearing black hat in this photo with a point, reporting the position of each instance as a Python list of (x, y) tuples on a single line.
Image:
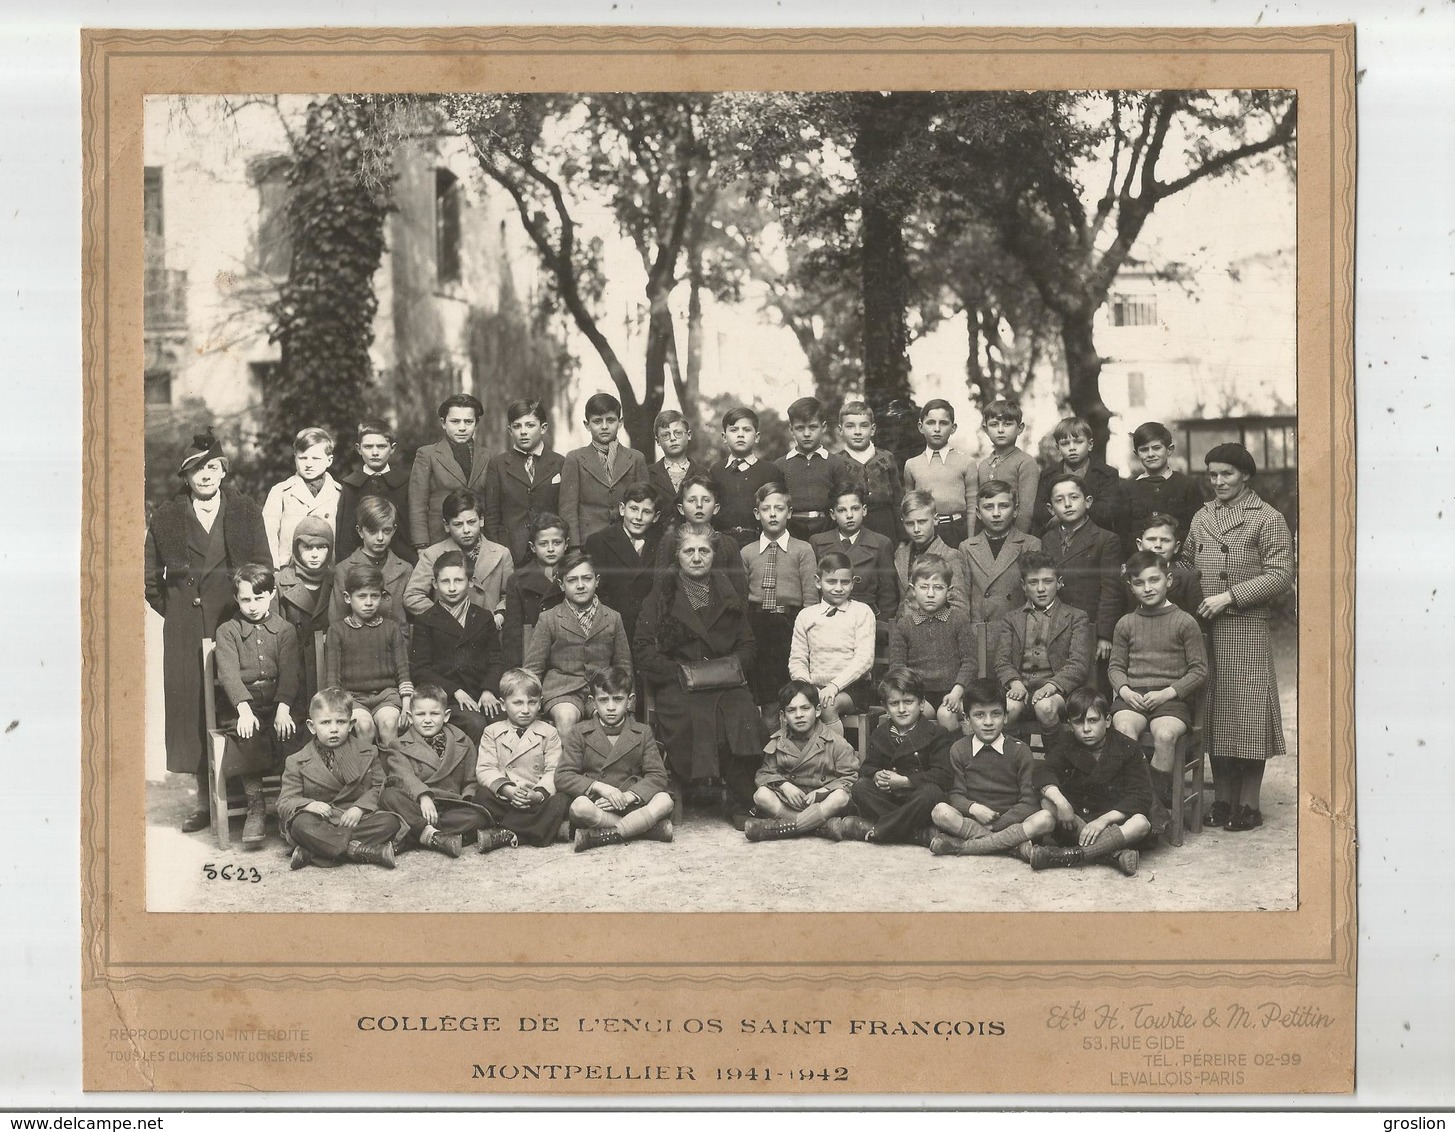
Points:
[(1244, 550), (194, 542)]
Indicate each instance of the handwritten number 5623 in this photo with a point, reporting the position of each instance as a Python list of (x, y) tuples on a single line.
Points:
[(247, 874)]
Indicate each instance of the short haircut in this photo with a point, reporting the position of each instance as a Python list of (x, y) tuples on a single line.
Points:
[(805, 409), (374, 513), (846, 487), (524, 408), (930, 566), (432, 692), (795, 688), (1002, 410), (256, 574), (450, 558), (602, 405), (613, 680), (461, 401), (937, 403), (984, 692), (856, 409), (308, 437), (774, 488), (1150, 433), (831, 560), (1066, 477), (1068, 427), (643, 492), (572, 560), (544, 521), (361, 574), (458, 502), (740, 413), (519, 680), (697, 479), (1142, 560), (1083, 701), (668, 417), (917, 501), (902, 680), (333, 699), (991, 488), (376, 426), (1160, 519), (1033, 560)]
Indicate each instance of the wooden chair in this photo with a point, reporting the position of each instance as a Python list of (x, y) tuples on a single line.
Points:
[(221, 743), (862, 724), (1189, 788)]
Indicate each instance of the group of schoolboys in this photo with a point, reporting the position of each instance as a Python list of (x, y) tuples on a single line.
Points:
[(478, 685)]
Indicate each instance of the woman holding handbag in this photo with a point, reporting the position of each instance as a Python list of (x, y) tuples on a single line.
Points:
[(693, 647)]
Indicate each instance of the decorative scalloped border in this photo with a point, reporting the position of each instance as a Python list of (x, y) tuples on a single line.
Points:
[(99, 46)]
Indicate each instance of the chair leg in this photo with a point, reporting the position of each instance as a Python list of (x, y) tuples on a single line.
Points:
[(1179, 795), (1199, 778), (217, 787)]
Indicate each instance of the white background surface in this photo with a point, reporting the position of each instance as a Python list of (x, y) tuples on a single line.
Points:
[(1406, 404)]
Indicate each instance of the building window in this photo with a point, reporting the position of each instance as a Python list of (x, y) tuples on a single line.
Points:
[(1134, 310), (1136, 390), (157, 384), (446, 226), (275, 247)]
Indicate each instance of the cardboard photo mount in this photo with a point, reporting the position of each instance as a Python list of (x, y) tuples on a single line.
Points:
[(749, 1004)]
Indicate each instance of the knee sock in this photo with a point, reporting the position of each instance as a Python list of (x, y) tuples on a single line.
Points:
[(636, 823), (1111, 841), (810, 817), (1007, 838), (962, 831)]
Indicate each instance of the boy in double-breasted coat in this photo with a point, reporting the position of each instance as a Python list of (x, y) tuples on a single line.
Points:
[(431, 783), (1089, 559), (456, 463), (594, 476), (454, 645), (1042, 651), (522, 482)]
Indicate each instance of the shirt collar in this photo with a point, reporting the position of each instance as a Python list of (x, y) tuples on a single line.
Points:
[(853, 539), (734, 461), (536, 451), (861, 457), (998, 746), (384, 471), (207, 506), (1030, 607), (1165, 475), (781, 542), (819, 451), (931, 453), (919, 616)]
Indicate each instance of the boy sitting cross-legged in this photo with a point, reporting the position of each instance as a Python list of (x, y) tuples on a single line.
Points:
[(328, 806), (807, 773), (517, 769), (431, 779), (612, 770), (907, 771), (1095, 786), (994, 804)]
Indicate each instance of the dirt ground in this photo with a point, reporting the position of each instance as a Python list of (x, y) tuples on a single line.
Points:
[(712, 868)]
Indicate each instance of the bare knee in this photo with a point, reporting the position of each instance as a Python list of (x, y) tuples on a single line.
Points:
[(1130, 724), (766, 801), (836, 803), (584, 808), (1135, 828), (1040, 823), (1048, 711), (1168, 730)]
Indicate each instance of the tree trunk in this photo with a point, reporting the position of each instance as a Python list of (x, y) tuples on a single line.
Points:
[(691, 395), (1083, 371), (974, 376), (661, 341), (883, 269)]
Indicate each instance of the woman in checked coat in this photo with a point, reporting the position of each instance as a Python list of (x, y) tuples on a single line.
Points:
[(1244, 551)]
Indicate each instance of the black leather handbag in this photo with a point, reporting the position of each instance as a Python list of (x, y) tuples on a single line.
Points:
[(711, 675)]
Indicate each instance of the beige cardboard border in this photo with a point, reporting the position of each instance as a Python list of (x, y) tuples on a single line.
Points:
[(139, 965)]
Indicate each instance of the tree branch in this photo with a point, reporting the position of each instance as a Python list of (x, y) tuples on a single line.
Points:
[(1280, 135)]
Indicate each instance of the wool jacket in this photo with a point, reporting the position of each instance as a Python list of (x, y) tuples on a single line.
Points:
[(493, 567), (513, 499), (356, 778), (1020, 470), (358, 485), (883, 486), (1175, 494), (1004, 780), (1155, 649), (994, 582), (959, 593), (257, 661), (941, 648), (416, 768), (290, 501), (823, 764), (563, 655), (527, 594), (167, 571), (1089, 559), (625, 575), (1070, 647), (661, 479), (1244, 549), (396, 580), (633, 765), (1117, 780), (1105, 486), (454, 656), (434, 475), (590, 497), (520, 760), (871, 557), (922, 756)]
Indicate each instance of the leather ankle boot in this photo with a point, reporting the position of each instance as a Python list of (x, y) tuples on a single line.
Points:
[(1127, 861), (450, 844), (1043, 857), (255, 825), (381, 855), (594, 838), (662, 831), (769, 829), (854, 828), (495, 838)]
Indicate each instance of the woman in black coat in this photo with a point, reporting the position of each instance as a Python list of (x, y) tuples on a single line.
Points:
[(194, 542), (693, 614)]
